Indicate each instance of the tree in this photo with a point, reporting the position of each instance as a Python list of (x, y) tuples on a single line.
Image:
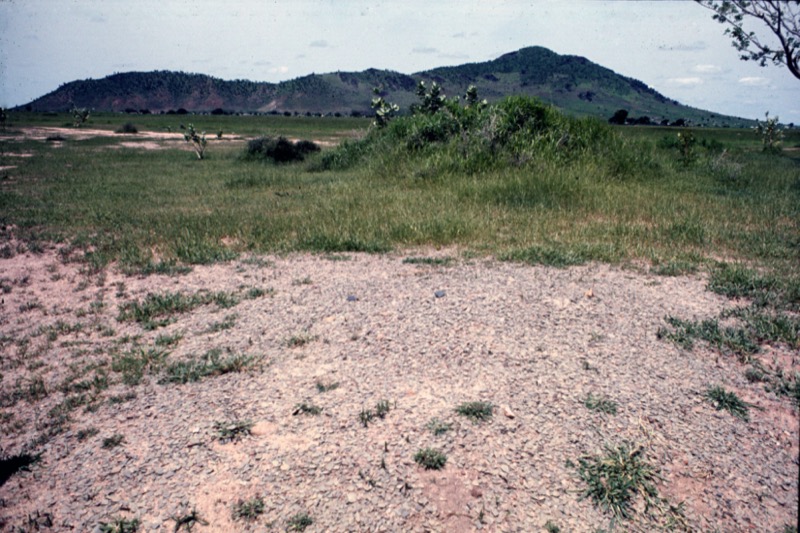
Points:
[(198, 142), (619, 117), (782, 18)]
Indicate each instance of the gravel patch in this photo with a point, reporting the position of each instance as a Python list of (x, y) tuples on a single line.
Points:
[(532, 341)]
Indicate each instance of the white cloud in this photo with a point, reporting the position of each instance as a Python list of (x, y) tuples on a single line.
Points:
[(754, 81), (706, 69), (283, 69), (685, 82), (319, 44), (424, 50), (684, 47)]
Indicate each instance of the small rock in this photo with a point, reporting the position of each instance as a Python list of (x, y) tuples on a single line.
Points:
[(439, 294), (506, 410), (352, 298)]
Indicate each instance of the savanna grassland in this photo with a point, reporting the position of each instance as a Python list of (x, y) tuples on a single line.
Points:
[(476, 317)]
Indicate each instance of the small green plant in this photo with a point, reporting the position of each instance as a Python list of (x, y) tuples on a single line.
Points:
[(113, 441), (299, 522), (615, 479), (430, 459), (686, 142), (384, 111), (322, 387), (431, 261), (227, 323), (120, 525), (117, 399), (382, 408), (598, 403), (209, 364), (771, 135), (437, 427), (476, 411), (168, 340), (728, 401), (307, 409), (256, 292), (134, 364), (550, 527), (232, 431), (248, 510), (198, 141), (80, 115), (188, 521), (298, 341), (366, 416), (84, 434)]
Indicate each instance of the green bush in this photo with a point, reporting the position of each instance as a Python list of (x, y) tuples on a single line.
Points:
[(449, 138), (278, 150)]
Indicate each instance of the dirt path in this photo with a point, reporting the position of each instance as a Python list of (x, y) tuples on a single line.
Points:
[(533, 341)]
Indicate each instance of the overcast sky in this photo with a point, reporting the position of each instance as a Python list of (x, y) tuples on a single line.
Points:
[(673, 46)]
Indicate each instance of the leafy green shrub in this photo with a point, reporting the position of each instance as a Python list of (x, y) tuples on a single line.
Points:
[(278, 150)]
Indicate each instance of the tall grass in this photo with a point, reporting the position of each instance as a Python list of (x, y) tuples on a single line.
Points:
[(518, 180)]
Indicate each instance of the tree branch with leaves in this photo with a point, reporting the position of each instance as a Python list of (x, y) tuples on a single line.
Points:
[(781, 17)]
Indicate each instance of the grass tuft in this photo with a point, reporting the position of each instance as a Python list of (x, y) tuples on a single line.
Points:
[(615, 479), (232, 431), (299, 522), (476, 411), (120, 525), (430, 459), (438, 427), (248, 510), (728, 401), (600, 404), (209, 364)]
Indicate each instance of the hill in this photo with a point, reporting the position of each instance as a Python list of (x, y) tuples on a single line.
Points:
[(572, 83)]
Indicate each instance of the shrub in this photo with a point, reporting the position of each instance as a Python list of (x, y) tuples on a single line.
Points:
[(279, 150), (128, 127)]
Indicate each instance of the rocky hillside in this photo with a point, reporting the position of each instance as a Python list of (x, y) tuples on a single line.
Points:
[(574, 84)]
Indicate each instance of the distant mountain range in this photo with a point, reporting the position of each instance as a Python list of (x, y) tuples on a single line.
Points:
[(571, 83)]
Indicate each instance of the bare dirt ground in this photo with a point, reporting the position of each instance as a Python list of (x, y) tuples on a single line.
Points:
[(533, 341)]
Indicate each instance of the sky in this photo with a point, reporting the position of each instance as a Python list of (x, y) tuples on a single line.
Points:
[(673, 46)]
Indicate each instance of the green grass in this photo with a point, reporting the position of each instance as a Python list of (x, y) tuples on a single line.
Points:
[(232, 431), (438, 427), (299, 522), (430, 459), (600, 404), (476, 411), (120, 525), (158, 310), (616, 195), (616, 479), (248, 510), (728, 401), (306, 408), (135, 364), (209, 364), (113, 441)]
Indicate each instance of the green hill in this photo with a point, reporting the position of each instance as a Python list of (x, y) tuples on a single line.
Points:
[(571, 83)]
